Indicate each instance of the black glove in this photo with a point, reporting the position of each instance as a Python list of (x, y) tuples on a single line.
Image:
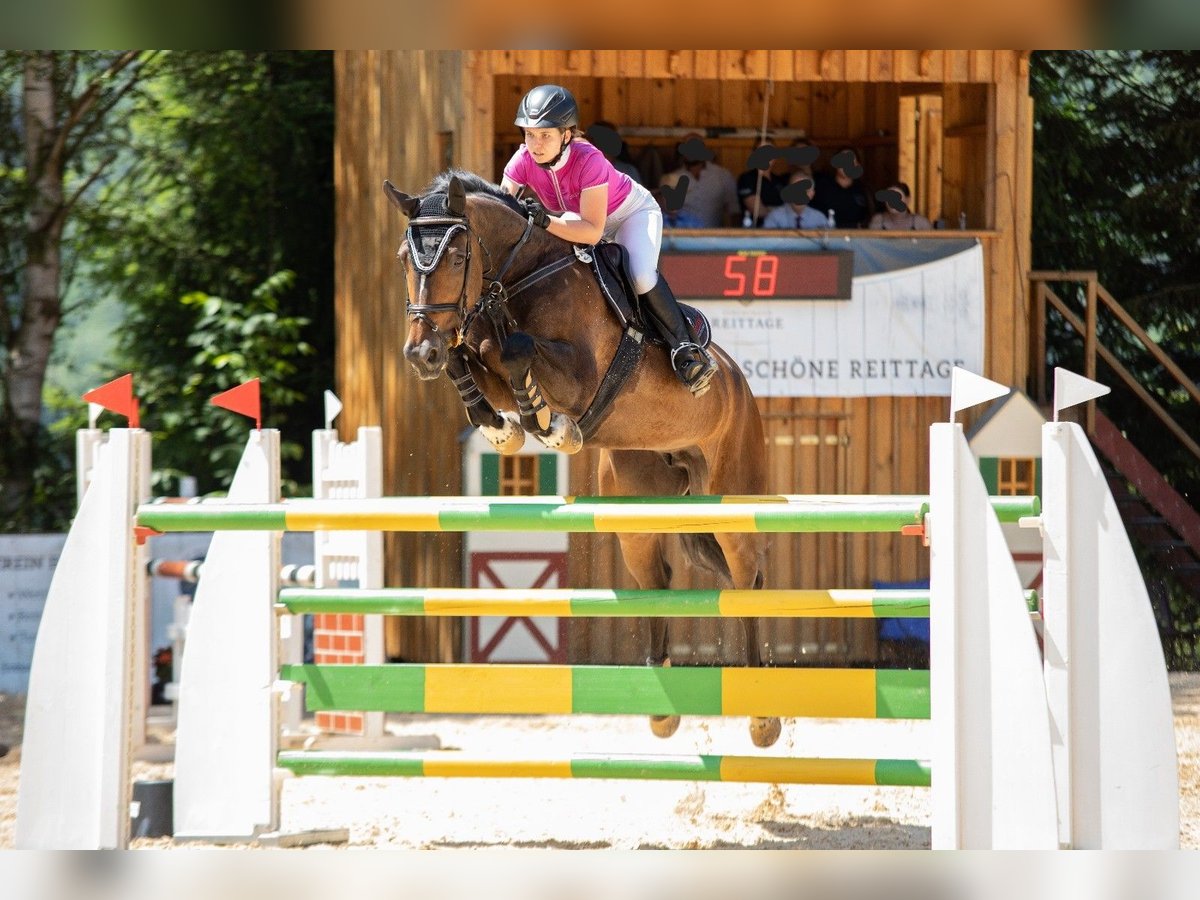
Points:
[(535, 212)]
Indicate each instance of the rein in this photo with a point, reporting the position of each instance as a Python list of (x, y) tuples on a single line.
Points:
[(493, 306)]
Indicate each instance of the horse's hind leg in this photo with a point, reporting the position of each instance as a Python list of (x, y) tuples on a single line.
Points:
[(643, 473)]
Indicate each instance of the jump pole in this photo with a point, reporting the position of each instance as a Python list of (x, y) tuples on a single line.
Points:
[(1010, 818)]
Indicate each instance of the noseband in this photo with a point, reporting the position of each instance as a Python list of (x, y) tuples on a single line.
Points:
[(443, 229)]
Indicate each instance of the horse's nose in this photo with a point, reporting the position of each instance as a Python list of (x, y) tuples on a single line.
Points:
[(426, 359)]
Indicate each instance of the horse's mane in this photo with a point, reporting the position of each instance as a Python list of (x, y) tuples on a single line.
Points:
[(473, 184)]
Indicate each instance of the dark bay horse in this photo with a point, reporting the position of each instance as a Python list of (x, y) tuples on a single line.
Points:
[(509, 313)]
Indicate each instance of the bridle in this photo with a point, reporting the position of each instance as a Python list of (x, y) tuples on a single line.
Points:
[(427, 263), (494, 298)]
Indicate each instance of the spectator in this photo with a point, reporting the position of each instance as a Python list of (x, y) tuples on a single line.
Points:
[(605, 137), (801, 153), (711, 198), (763, 183), (844, 192), (903, 219), (797, 213)]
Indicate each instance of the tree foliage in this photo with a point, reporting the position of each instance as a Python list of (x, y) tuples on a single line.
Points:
[(64, 117), (196, 188), (1117, 189), (221, 244)]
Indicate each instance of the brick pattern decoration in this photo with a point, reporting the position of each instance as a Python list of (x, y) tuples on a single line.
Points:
[(338, 639)]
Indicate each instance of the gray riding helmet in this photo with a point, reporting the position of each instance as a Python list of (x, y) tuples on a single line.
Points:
[(548, 106)]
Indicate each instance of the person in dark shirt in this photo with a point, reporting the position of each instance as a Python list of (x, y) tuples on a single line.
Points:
[(841, 194), (763, 184)]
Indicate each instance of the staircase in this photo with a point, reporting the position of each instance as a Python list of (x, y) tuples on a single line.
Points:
[(1162, 525), (1155, 515)]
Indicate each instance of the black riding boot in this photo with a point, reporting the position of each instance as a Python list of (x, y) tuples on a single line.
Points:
[(690, 361)]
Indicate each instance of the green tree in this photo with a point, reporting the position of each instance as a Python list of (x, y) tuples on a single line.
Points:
[(64, 119), (197, 189), (220, 242), (1117, 189)]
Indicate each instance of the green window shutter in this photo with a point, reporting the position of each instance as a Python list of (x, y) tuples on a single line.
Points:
[(489, 474), (548, 474), (989, 468)]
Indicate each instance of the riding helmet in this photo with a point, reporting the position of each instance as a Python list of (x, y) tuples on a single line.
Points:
[(548, 106)]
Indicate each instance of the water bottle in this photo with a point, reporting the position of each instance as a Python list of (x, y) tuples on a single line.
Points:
[(747, 220), (832, 220), (962, 221)]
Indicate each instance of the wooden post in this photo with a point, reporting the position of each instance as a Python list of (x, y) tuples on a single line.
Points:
[(1089, 350), (1038, 330)]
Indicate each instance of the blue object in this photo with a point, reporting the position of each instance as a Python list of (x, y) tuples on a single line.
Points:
[(903, 629)]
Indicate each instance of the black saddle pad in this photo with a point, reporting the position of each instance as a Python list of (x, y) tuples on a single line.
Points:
[(611, 266)]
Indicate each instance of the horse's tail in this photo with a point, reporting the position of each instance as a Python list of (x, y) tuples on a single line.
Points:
[(703, 550), (700, 549)]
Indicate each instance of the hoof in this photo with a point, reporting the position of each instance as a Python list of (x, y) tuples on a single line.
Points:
[(765, 732), (508, 439), (564, 435), (665, 726)]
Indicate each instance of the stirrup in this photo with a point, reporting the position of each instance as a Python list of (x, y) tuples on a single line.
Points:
[(703, 367)]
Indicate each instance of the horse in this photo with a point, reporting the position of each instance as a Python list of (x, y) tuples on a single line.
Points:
[(509, 313)]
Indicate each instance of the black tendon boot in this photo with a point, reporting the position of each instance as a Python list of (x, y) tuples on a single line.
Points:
[(690, 361)]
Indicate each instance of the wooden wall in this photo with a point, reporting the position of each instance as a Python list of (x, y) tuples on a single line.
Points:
[(406, 115), (394, 109)]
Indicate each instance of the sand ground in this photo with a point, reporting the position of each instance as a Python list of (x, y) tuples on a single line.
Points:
[(469, 813)]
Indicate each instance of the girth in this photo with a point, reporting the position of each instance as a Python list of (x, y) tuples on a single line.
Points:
[(493, 307)]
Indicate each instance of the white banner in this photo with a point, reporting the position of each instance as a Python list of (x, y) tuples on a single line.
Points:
[(900, 334), (27, 564)]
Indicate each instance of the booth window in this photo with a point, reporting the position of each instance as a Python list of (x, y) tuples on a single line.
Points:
[(1016, 476), (519, 476)]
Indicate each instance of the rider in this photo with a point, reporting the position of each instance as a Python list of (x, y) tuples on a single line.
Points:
[(569, 175)]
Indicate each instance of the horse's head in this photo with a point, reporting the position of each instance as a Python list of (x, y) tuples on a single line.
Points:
[(441, 274)]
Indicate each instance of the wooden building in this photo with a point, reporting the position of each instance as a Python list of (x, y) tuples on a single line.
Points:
[(956, 125)]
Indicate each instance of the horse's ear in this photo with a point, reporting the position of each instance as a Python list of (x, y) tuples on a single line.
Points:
[(406, 204), (456, 197)]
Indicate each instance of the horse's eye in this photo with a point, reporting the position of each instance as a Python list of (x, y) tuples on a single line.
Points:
[(458, 261)]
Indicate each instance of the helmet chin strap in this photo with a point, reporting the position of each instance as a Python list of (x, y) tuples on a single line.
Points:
[(554, 162)]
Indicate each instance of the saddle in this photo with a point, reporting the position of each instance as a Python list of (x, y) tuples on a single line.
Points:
[(610, 265)]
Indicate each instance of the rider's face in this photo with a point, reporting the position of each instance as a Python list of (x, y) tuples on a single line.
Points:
[(543, 143)]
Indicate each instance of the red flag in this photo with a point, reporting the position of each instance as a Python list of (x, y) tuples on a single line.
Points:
[(242, 399), (117, 396)]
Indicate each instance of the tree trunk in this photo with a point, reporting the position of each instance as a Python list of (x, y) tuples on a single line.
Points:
[(41, 304)]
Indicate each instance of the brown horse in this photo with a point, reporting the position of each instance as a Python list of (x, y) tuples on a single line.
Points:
[(513, 317)]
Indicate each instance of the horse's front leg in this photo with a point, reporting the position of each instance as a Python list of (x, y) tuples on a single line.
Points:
[(554, 429), (502, 431)]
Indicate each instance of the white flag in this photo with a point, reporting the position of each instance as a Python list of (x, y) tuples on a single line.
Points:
[(1071, 389), (333, 406), (968, 389)]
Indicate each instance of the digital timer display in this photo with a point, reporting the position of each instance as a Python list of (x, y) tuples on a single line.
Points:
[(758, 275)]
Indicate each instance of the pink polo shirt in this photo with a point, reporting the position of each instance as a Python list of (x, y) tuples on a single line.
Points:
[(559, 190)]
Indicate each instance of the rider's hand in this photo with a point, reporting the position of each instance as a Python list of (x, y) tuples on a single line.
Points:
[(535, 212)]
